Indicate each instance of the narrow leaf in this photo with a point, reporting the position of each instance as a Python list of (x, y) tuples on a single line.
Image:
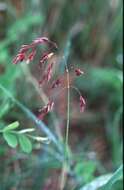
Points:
[(25, 143), (11, 139), (104, 182), (118, 174), (97, 183)]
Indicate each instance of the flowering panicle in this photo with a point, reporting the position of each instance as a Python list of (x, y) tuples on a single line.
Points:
[(28, 52)]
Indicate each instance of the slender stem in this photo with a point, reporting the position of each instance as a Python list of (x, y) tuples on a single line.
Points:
[(70, 87), (68, 112), (65, 164)]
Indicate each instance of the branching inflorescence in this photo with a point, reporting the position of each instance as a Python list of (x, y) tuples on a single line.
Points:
[(28, 52)]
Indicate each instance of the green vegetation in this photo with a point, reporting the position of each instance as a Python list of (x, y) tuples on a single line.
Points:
[(88, 34)]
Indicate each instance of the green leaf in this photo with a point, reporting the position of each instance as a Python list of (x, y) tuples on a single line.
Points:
[(85, 169), (5, 106), (11, 139), (97, 183), (25, 143), (118, 175), (104, 182), (11, 126)]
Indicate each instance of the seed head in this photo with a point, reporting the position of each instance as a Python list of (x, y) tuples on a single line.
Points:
[(46, 109), (45, 57), (31, 56), (79, 72), (19, 58)]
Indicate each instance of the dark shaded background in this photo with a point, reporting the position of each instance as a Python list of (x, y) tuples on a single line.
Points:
[(89, 34)]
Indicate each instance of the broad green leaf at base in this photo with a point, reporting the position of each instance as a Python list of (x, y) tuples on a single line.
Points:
[(25, 144), (11, 139)]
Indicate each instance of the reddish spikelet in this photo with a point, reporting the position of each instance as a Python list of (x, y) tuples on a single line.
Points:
[(82, 104), (46, 109), (45, 57), (79, 72), (48, 74), (56, 83), (31, 56), (19, 58), (50, 106)]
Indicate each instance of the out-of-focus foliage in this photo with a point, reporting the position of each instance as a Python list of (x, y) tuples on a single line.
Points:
[(89, 36)]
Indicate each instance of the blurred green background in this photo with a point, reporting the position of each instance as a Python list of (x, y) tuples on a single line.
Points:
[(89, 36)]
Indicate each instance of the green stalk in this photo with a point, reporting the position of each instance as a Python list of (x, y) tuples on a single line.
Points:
[(65, 164), (68, 113)]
